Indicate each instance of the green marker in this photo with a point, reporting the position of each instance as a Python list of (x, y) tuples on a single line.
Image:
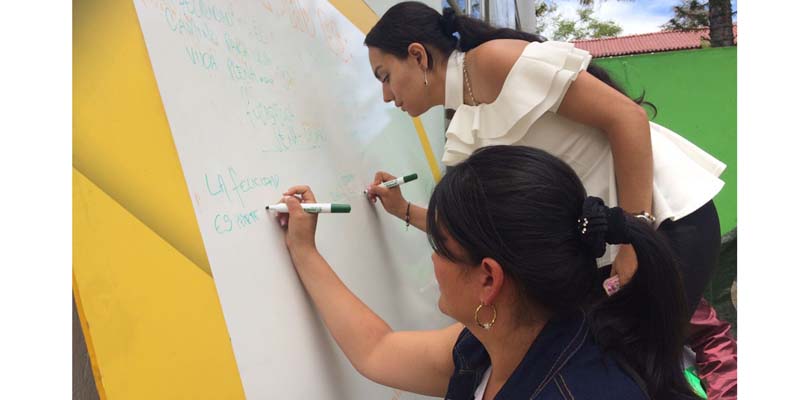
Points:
[(396, 182), (314, 208)]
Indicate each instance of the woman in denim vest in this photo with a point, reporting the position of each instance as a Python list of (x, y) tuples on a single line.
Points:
[(515, 240), (507, 87)]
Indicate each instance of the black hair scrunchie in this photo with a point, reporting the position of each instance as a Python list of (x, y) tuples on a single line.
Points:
[(600, 225), (449, 22)]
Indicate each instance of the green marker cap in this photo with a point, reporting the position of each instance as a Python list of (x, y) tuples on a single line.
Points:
[(409, 178), (340, 208)]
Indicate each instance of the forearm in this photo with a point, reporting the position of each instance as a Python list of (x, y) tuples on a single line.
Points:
[(593, 103), (633, 166), (355, 327), (418, 217), (633, 163)]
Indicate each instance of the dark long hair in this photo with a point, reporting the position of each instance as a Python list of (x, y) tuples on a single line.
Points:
[(520, 206), (414, 22)]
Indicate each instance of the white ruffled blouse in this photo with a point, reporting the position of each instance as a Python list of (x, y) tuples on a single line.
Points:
[(684, 176)]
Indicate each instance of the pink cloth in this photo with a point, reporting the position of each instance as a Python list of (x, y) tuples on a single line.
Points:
[(711, 340)]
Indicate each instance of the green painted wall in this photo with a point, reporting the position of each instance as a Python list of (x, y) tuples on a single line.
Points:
[(695, 93)]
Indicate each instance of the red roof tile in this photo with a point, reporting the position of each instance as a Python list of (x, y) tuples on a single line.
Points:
[(646, 43)]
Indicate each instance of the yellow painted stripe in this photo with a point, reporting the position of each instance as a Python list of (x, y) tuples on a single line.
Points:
[(358, 12), (98, 379), (364, 18), (153, 318), (121, 138), (426, 147)]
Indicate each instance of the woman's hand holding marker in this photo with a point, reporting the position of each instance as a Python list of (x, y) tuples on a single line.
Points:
[(385, 187), (300, 226)]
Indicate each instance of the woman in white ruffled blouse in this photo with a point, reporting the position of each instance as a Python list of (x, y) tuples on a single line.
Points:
[(511, 87)]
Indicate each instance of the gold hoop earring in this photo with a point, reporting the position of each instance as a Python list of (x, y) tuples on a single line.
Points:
[(426, 77), (486, 325)]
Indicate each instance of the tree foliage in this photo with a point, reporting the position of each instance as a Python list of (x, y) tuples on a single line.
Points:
[(690, 14), (714, 14), (585, 26)]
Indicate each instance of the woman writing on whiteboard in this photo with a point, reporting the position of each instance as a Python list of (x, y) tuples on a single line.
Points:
[(515, 240), (510, 87)]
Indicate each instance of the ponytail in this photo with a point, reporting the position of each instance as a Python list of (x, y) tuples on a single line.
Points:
[(644, 323), (414, 22), (473, 32)]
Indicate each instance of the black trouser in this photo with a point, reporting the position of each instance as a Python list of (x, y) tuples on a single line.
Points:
[(695, 241)]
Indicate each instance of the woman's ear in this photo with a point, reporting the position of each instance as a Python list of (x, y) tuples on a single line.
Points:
[(420, 55), (491, 278)]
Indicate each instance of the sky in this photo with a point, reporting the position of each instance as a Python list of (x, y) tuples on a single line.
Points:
[(638, 16)]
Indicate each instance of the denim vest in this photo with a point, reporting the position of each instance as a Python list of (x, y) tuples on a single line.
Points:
[(564, 362)]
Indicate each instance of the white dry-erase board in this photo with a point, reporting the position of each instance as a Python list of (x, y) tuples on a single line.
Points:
[(263, 95)]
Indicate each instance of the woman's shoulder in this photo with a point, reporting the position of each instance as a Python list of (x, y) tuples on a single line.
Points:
[(497, 54), (592, 371), (495, 58), (491, 62)]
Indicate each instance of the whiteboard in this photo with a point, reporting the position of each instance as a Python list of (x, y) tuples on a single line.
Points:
[(263, 95)]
